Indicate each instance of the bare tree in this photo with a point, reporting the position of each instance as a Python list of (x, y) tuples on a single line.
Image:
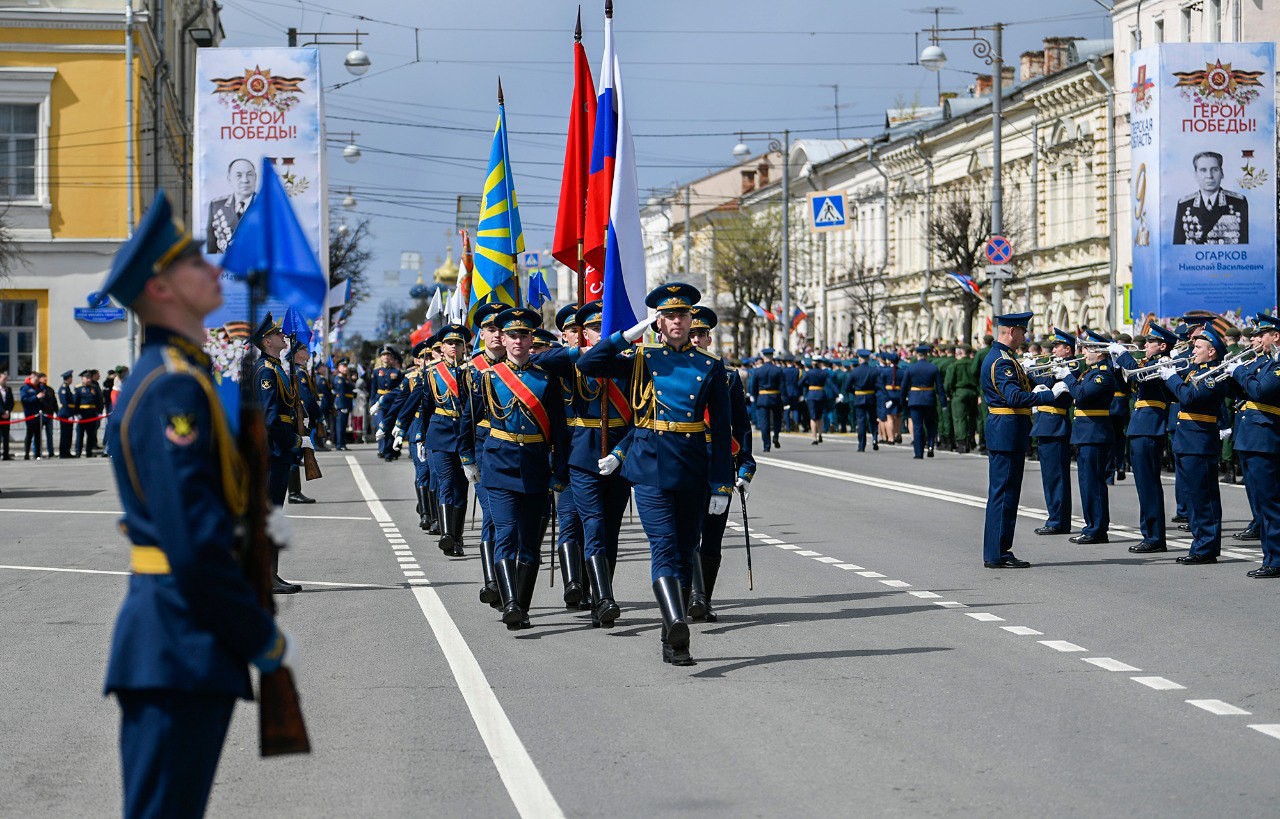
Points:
[(11, 256), (393, 320), (865, 284), (748, 261), (349, 256)]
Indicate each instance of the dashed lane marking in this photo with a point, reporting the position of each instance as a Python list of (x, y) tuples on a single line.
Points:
[(523, 781), (809, 553), (1061, 645), (950, 604), (1222, 709), (870, 574), (827, 559), (1022, 631), (1272, 730), (925, 595), (1108, 664), (984, 617), (118, 513), (1158, 683)]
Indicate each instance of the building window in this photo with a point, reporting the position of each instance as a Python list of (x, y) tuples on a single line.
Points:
[(1237, 23), (1185, 34), (1213, 20), (17, 337), (1159, 35), (19, 132)]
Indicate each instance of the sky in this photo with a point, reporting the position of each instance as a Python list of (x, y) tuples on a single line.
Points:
[(696, 73)]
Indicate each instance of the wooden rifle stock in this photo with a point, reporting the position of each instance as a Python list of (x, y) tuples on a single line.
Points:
[(281, 729)]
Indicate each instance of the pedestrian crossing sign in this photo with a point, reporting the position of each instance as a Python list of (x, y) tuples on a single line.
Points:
[(828, 210)]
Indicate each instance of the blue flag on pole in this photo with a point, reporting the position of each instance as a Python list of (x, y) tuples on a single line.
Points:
[(538, 290), (269, 240)]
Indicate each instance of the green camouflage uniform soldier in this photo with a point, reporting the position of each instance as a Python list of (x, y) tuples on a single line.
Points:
[(962, 395), (946, 435)]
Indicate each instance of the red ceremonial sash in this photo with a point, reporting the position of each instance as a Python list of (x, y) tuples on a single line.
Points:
[(734, 446), (525, 396), (450, 382), (481, 363), (618, 400)]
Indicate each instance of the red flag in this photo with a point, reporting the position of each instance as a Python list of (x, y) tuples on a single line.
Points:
[(571, 216), (419, 334), (604, 152)]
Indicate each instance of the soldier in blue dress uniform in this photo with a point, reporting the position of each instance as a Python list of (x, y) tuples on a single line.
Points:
[(280, 408), (526, 455), (814, 386), (1197, 444), (411, 424), (889, 398), (441, 396), (190, 625), (89, 406), (1051, 427), (860, 389), (1093, 436), (706, 563), (677, 393), (792, 401), (491, 352), (1257, 438), (922, 390), (1147, 433), (1009, 396), (570, 545), (344, 401), (383, 382), (766, 396), (309, 411), (66, 402)]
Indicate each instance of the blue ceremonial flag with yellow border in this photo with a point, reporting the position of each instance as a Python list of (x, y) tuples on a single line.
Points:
[(499, 235)]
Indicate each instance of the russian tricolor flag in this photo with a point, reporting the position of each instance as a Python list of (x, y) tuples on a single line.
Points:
[(604, 155), (623, 286)]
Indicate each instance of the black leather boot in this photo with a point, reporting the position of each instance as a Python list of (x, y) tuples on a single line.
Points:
[(604, 610), (453, 524), (710, 571), (570, 573), (295, 487), (446, 539), (279, 586), (697, 598), (526, 580), (489, 591), (505, 572), (584, 602), (424, 508), (434, 523), (675, 628)]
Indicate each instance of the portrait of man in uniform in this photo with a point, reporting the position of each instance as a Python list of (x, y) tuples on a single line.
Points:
[(225, 212), (1211, 215)]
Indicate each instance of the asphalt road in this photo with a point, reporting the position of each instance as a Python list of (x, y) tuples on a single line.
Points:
[(876, 669)]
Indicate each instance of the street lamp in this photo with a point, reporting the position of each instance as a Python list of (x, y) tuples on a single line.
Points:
[(357, 61), (351, 152), (740, 150), (349, 201), (990, 51)]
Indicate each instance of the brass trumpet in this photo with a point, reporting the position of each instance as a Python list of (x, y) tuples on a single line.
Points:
[(1102, 345), (1242, 357), (1043, 368), (1151, 372)]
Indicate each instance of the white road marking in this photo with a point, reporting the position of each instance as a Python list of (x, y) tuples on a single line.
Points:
[(950, 604), (117, 513), (827, 559), (897, 584), (1222, 709), (56, 569), (524, 783), (410, 566), (852, 567), (788, 547), (870, 574), (1269, 730), (1158, 683), (1108, 664), (415, 574), (925, 595), (118, 574), (809, 553), (984, 617), (772, 541), (1022, 631), (1061, 645)]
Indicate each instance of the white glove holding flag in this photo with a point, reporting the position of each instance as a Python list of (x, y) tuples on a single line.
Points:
[(471, 472), (608, 465), (1059, 389), (719, 505), (636, 332), (279, 529)]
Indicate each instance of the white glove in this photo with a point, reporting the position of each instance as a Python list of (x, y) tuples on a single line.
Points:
[(744, 486), (1232, 367), (1061, 372), (379, 435), (888, 404), (397, 433), (1224, 434), (635, 332), (1058, 389), (398, 442), (471, 472), (840, 398), (1116, 348), (608, 465), (1167, 372), (306, 442), (719, 505), (422, 452), (786, 406), (279, 529), (306, 422), (1041, 388)]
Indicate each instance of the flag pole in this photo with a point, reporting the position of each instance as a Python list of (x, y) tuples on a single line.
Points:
[(511, 239)]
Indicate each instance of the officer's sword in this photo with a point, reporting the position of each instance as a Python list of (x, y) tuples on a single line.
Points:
[(554, 516), (746, 537)]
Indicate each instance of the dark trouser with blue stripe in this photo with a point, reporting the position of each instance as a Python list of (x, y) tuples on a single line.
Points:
[(1055, 475), (864, 420), (421, 465), (1262, 475), (924, 427), (1199, 475), (170, 742), (673, 523), (1092, 465), (482, 495), (568, 519), (278, 479), (712, 542), (1119, 460), (1004, 474), (1145, 454), (1179, 490), (770, 420), (340, 427), (601, 502), (447, 480), (517, 518)]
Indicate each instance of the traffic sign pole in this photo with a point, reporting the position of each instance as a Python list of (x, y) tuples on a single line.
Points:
[(999, 252)]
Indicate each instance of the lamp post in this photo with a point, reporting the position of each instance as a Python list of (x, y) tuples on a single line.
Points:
[(740, 151), (990, 51), (357, 61)]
